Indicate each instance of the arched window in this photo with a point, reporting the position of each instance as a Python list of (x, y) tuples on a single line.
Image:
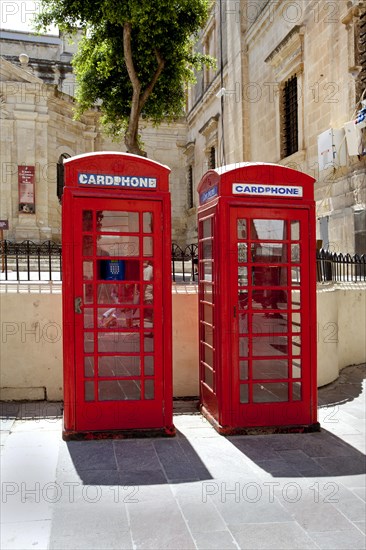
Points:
[(60, 174)]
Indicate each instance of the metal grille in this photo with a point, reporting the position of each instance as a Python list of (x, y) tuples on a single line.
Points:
[(190, 188), (185, 263), (212, 158), (290, 116), (340, 267), (30, 261)]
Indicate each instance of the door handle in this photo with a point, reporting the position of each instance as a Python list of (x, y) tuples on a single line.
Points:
[(77, 304)]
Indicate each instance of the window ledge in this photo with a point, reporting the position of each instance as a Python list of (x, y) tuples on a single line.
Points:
[(297, 158)]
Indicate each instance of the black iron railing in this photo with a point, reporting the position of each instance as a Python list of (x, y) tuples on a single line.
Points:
[(29, 261), (185, 263), (340, 267)]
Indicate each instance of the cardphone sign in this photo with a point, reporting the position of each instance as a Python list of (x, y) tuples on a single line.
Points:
[(108, 180), (267, 190)]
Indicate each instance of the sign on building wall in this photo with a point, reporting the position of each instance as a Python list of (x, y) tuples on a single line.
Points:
[(26, 189)]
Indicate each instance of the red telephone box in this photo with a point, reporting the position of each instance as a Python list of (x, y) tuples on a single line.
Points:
[(116, 296), (257, 299)]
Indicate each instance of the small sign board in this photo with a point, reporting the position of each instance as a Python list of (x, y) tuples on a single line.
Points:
[(4, 224), (209, 194), (26, 189)]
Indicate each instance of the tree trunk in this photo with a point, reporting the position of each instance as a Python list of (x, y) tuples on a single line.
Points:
[(132, 145), (132, 133), (131, 137), (138, 98)]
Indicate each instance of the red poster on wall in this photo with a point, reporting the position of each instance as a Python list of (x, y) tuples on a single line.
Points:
[(26, 189)]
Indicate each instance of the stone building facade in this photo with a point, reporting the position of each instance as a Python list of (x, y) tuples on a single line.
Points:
[(290, 75), (38, 131), (288, 72)]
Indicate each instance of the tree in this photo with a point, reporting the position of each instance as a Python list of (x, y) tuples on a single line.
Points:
[(135, 57)]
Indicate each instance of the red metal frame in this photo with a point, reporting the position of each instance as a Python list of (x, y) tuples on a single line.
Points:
[(93, 185), (268, 331)]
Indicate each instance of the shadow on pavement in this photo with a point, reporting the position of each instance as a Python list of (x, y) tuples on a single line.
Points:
[(322, 454), (302, 455), (347, 387), (136, 461)]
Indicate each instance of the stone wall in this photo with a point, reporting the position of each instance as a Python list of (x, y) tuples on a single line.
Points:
[(31, 337)]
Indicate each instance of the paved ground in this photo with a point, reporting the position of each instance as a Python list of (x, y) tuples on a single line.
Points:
[(199, 490)]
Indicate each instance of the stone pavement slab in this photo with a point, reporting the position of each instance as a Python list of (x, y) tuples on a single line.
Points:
[(199, 490)]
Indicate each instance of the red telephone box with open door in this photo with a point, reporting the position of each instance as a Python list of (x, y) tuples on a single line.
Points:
[(116, 296), (257, 299)]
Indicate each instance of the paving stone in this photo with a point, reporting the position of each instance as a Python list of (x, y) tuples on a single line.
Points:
[(342, 428), (353, 481), (92, 455), (34, 440), (254, 449), (249, 505), (26, 475), (151, 493), (361, 525), (356, 441), (93, 508), (201, 516), (92, 541), (136, 455), (199, 490), (351, 539), (353, 508), (158, 525), (38, 425), (26, 536), (360, 492), (339, 466), (293, 490), (278, 467), (281, 442), (194, 459), (6, 424), (325, 445), (94, 517), (3, 437), (224, 459), (142, 477), (175, 463), (218, 540), (271, 536), (194, 490), (305, 465), (100, 477), (314, 516)]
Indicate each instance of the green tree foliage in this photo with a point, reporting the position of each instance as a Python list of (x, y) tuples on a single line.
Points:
[(135, 57)]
